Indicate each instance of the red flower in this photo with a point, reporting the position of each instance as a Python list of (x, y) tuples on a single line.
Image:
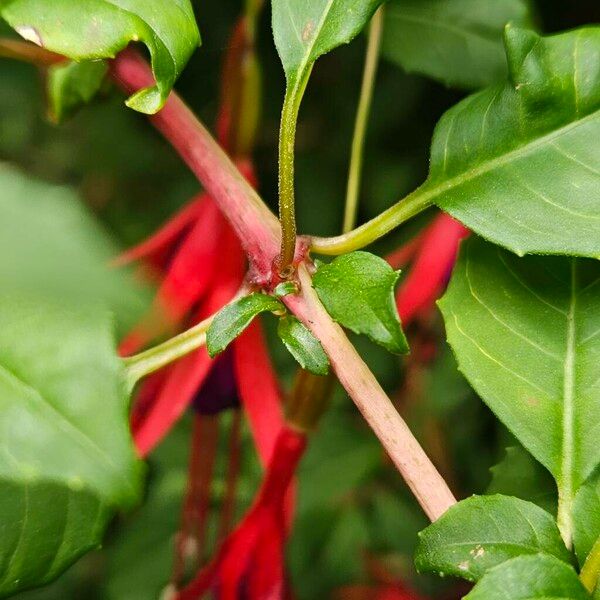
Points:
[(250, 563), (202, 266), (435, 251)]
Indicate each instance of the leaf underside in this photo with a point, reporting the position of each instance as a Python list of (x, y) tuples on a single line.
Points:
[(66, 457), (96, 29), (526, 333), (303, 30)]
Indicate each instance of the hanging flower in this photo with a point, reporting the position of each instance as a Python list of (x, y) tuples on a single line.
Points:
[(250, 563)]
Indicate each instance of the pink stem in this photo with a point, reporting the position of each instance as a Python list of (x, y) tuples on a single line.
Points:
[(253, 222), (419, 472)]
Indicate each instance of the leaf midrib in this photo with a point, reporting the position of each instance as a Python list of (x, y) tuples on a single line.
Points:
[(309, 48), (79, 435), (431, 190)]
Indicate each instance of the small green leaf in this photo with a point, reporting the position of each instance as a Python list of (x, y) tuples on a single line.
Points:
[(586, 517), (357, 290), (467, 541), (525, 334), (458, 42), (67, 454), (537, 577), (95, 29), (303, 31), (303, 345), (235, 317), (519, 474), (72, 85)]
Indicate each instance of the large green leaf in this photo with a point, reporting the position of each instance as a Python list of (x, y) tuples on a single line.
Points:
[(458, 42), (519, 163), (66, 453), (537, 577), (51, 246), (357, 290), (307, 29), (94, 29), (526, 335), (482, 532), (586, 517)]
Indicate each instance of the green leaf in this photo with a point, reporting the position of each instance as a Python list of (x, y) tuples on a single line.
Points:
[(458, 42), (303, 345), (67, 261), (94, 29), (482, 532), (72, 85), (538, 577), (586, 517), (520, 475), (230, 321), (518, 163), (525, 333), (303, 31), (357, 290), (67, 454)]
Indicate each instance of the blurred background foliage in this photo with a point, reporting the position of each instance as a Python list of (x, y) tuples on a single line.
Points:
[(356, 523)]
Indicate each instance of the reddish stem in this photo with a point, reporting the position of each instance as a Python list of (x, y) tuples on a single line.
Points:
[(255, 225)]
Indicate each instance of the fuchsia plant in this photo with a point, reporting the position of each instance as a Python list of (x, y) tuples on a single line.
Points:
[(514, 167)]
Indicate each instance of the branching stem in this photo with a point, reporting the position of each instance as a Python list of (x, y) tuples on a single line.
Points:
[(412, 205), (362, 118), (153, 359)]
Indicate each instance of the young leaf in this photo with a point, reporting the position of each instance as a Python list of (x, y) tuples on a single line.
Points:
[(468, 541), (72, 85), (586, 517), (519, 474), (235, 317), (458, 42), (96, 29), (67, 455), (303, 31), (518, 163), (534, 577), (357, 290), (303, 345), (525, 333)]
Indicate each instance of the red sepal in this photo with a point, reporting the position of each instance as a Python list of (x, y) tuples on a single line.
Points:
[(430, 270)]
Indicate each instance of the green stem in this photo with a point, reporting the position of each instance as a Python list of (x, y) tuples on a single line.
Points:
[(362, 118), (287, 143), (591, 569), (412, 205), (160, 356)]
